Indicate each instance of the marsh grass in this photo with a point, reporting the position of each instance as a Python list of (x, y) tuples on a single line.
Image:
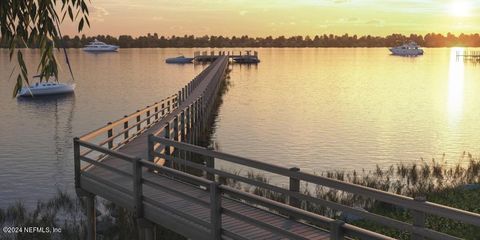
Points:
[(62, 211), (456, 186), (67, 213)]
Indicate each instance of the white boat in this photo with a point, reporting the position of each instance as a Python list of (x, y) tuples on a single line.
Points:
[(46, 88), (179, 59), (408, 49), (97, 46)]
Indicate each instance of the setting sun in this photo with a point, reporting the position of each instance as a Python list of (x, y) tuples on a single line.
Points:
[(460, 8)]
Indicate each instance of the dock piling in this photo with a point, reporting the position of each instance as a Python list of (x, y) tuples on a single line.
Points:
[(91, 216)]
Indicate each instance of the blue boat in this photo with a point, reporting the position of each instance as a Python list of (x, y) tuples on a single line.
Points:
[(179, 59)]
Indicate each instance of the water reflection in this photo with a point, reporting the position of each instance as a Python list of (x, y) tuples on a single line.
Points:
[(62, 108), (456, 81)]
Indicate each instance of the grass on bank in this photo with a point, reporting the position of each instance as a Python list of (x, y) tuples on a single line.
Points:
[(457, 186), (67, 213)]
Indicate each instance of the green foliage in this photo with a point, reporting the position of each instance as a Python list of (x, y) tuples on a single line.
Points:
[(25, 23)]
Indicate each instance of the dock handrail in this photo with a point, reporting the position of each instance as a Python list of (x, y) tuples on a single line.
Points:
[(418, 206), (116, 134), (216, 190)]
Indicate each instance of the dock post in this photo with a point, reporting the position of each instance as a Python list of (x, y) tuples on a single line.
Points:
[(168, 163), (137, 187), (204, 114), (336, 231), (175, 138), (419, 218), (76, 159), (197, 112), (156, 111), (125, 127), (175, 128), (150, 148), (146, 227), (210, 163), (91, 216), (187, 132), (182, 137), (109, 135), (138, 122), (192, 119), (182, 126), (148, 116), (200, 110), (294, 187), (163, 108), (194, 123), (215, 211)]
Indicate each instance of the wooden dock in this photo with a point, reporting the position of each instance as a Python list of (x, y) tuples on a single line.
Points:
[(210, 56), (468, 55), (139, 162)]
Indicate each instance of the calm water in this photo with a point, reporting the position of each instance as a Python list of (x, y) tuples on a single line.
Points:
[(319, 109)]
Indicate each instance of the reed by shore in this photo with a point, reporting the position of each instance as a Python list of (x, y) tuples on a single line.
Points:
[(456, 186)]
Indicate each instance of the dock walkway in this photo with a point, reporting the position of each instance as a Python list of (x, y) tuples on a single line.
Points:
[(139, 161), (169, 202)]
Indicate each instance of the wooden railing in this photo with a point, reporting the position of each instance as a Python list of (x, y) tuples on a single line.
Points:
[(195, 115), (117, 134), (137, 199), (419, 207)]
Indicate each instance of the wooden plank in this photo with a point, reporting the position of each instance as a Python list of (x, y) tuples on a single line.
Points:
[(175, 223), (244, 229), (264, 225)]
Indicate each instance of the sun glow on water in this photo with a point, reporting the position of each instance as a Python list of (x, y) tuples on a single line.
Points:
[(456, 81)]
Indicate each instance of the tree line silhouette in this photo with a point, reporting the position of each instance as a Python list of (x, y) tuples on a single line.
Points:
[(330, 40)]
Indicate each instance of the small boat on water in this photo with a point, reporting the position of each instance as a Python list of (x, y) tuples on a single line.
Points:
[(97, 46), (408, 49), (46, 88), (179, 59), (246, 59)]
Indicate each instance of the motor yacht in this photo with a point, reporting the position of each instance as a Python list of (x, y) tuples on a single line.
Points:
[(97, 46), (408, 49)]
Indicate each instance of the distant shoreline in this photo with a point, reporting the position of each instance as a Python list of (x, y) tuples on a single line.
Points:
[(430, 40), (256, 47)]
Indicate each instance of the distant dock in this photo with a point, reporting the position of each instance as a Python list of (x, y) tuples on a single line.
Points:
[(210, 56), (468, 55)]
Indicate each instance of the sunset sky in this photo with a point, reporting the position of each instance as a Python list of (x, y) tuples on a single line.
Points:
[(281, 17)]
